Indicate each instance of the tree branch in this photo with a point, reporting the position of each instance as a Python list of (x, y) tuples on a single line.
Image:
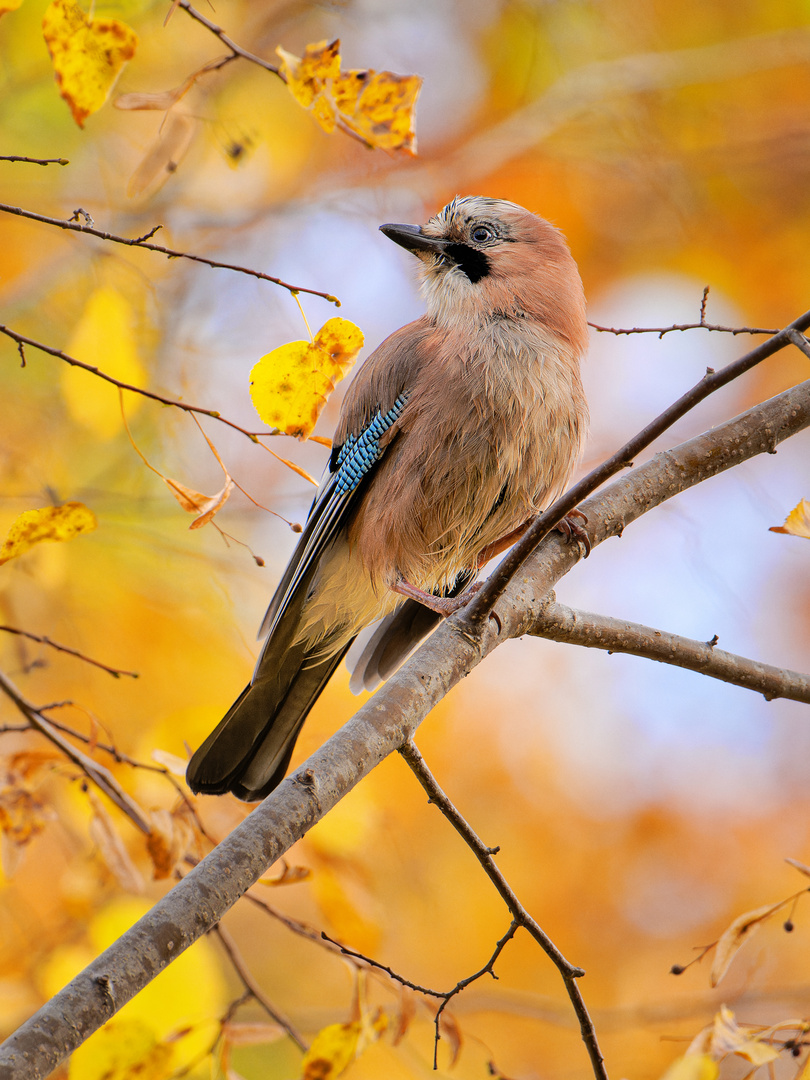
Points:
[(171, 253), (560, 623), (380, 727)]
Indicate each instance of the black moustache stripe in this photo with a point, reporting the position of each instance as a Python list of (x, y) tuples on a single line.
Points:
[(473, 263)]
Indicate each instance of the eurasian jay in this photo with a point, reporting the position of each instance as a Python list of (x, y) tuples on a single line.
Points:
[(454, 434)]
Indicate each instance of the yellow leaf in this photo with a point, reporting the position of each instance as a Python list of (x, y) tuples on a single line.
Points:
[(732, 939), (692, 1067), (797, 523), (383, 111), (305, 74), (376, 105), (87, 55), (57, 523), (290, 385), (103, 337), (122, 1050), (335, 1047)]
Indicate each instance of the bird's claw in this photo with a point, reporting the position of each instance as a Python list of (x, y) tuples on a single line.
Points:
[(572, 530)]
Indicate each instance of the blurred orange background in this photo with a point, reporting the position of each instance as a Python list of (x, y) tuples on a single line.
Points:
[(638, 808)]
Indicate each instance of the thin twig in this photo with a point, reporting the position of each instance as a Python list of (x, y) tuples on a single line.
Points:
[(560, 623), (471, 620), (35, 160), (21, 340), (115, 672), (171, 253), (101, 777), (238, 51), (241, 969), (484, 854), (661, 330)]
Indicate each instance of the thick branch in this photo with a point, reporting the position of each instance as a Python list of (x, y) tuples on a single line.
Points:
[(380, 727), (560, 623)]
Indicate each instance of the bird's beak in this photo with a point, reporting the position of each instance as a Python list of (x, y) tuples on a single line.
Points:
[(414, 240)]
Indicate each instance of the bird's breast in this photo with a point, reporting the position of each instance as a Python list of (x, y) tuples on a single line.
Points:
[(491, 433)]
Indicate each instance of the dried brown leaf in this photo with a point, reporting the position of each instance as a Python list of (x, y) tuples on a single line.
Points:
[(112, 848)]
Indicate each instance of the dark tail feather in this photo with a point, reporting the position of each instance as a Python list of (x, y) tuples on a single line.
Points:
[(249, 751)]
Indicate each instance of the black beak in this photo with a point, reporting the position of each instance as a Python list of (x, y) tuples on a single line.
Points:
[(413, 239)]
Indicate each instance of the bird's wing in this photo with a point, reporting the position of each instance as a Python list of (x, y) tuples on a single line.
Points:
[(350, 464)]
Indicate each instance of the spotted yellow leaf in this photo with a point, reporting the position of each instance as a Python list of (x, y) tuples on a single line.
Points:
[(48, 523), (797, 523), (122, 1050), (378, 106), (335, 1047), (306, 75), (87, 55), (290, 385)]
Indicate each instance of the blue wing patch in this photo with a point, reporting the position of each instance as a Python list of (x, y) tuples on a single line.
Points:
[(360, 452), (354, 460)]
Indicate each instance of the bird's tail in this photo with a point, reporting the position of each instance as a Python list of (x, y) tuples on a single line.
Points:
[(250, 749)]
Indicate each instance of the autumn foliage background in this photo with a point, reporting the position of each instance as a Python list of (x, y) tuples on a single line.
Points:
[(638, 808)]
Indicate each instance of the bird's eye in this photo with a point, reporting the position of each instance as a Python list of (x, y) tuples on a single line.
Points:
[(482, 233)]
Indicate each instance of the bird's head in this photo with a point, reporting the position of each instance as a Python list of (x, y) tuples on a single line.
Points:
[(484, 259)]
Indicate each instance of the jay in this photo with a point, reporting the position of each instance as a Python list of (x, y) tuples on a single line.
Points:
[(455, 433)]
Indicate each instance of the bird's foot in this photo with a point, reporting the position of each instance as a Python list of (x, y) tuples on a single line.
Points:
[(572, 530), (442, 605)]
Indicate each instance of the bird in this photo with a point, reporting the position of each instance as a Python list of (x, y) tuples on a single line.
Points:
[(456, 431)]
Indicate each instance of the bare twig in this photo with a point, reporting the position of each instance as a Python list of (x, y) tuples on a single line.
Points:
[(101, 777), (474, 616), (569, 972), (35, 160), (238, 51), (661, 330), (115, 672), (22, 340), (241, 969), (560, 623), (171, 253)]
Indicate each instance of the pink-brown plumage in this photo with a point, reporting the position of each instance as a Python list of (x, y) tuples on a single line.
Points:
[(490, 433)]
